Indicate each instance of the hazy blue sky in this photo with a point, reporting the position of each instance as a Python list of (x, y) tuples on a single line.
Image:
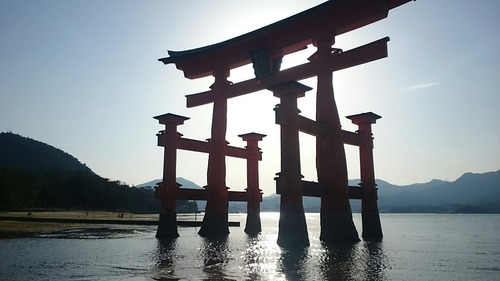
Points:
[(83, 76)]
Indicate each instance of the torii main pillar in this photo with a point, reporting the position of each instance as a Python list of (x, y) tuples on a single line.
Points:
[(336, 216), (215, 222)]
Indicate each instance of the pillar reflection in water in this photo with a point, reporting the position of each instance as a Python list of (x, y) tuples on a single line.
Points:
[(165, 257), (215, 253), (293, 263), (257, 257), (376, 262), (338, 262), (254, 256), (260, 256), (362, 261)]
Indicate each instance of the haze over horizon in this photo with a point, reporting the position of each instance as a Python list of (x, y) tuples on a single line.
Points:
[(83, 76)]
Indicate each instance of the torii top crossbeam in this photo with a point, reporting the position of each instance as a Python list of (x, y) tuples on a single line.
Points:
[(283, 37)]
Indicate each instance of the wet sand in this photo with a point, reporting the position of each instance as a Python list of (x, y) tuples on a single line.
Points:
[(32, 224), (20, 224)]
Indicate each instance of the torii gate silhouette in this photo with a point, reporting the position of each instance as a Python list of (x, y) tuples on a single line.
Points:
[(265, 49)]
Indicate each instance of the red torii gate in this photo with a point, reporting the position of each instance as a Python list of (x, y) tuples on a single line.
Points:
[(265, 48)]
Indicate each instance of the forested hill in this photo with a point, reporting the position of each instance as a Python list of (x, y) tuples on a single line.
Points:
[(24, 153), (35, 175)]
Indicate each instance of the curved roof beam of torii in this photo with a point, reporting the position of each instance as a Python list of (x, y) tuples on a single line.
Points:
[(283, 37)]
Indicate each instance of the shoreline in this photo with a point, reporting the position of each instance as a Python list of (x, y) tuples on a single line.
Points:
[(31, 224)]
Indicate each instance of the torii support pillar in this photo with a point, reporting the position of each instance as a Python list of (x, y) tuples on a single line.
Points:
[(372, 229), (336, 216), (292, 230), (253, 224), (167, 190)]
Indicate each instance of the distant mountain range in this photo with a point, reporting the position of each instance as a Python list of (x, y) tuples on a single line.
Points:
[(471, 193), (477, 193), (184, 182), (470, 189)]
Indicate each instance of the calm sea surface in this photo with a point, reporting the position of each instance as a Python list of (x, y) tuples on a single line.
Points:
[(415, 247)]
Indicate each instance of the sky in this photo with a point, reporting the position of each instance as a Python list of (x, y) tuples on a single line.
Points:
[(83, 76)]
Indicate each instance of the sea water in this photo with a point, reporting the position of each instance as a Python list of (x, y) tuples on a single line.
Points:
[(415, 247)]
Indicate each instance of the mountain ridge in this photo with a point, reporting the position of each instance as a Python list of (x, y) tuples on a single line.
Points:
[(20, 152), (461, 195), (478, 192), (180, 180), (471, 192)]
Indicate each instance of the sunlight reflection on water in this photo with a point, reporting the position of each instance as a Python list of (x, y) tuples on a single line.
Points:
[(422, 247), (240, 256)]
